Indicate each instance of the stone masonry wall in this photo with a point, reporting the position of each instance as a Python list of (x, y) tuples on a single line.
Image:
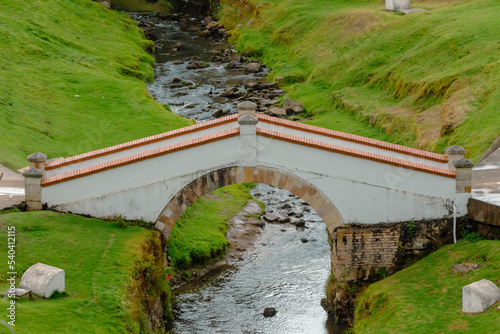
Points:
[(365, 252), (360, 250)]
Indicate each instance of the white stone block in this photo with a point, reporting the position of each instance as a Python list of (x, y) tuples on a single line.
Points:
[(397, 4), (478, 296), (43, 280)]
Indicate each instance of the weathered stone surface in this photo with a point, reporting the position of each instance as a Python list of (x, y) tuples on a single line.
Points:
[(207, 20), (247, 120), (269, 312), (253, 68), (463, 163), (397, 4), (43, 280), (275, 111), (33, 173), (271, 217), (247, 105), (478, 296), (293, 106), (37, 156), (466, 267), (232, 92), (106, 4), (484, 212)]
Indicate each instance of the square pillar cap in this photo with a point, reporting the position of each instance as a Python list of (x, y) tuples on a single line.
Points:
[(247, 105), (34, 173), (248, 120), (455, 149), (37, 157), (463, 163)]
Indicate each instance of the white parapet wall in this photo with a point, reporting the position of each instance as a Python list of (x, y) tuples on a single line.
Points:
[(366, 180)]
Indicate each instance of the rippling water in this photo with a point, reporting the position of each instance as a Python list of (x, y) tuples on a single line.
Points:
[(282, 272)]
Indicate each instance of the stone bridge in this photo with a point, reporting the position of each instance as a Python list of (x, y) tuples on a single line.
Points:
[(347, 179)]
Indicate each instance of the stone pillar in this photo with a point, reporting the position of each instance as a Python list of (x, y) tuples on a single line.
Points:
[(33, 181), (33, 189), (247, 108), (463, 176), (248, 134), (454, 153)]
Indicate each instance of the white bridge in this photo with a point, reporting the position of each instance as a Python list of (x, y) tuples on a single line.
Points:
[(344, 177)]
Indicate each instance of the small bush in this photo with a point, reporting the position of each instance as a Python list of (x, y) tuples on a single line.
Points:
[(470, 236)]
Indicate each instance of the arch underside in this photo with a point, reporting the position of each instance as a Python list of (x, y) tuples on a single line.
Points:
[(257, 174)]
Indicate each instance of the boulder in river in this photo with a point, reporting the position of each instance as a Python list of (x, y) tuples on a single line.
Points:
[(300, 223), (232, 93), (269, 312), (178, 46), (197, 64), (207, 20), (292, 106), (220, 112), (271, 217), (253, 67)]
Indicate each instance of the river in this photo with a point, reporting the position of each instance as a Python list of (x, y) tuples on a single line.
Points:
[(289, 266)]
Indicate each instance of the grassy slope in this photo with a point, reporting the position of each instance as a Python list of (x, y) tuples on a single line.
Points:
[(98, 259), (427, 297), (52, 50), (199, 234), (430, 78)]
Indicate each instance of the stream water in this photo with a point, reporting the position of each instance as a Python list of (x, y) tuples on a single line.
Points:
[(289, 266)]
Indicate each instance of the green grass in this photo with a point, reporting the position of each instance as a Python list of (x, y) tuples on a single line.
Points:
[(427, 297), (53, 50), (428, 79), (99, 260), (199, 235), (143, 5)]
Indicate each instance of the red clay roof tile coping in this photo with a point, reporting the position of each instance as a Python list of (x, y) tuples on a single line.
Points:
[(357, 153), (354, 138), (139, 157), (141, 142)]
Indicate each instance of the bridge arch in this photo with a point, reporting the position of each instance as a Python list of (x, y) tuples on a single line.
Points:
[(256, 174)]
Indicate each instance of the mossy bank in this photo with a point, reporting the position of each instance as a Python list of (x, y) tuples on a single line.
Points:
[(115, 275), (427, 80)]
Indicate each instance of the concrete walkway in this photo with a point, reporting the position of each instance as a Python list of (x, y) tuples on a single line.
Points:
[(11, 188), (486, 179)]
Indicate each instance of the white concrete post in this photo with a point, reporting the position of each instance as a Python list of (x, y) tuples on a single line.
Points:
[(454, 153), (397, 4), (463, 176), (248, 134), (33, 181)]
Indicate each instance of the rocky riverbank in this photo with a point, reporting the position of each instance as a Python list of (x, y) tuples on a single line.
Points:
[(201, 76)]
